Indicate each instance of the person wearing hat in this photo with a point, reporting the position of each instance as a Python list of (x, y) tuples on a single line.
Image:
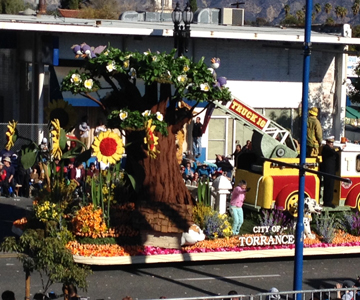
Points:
[(314, 133), (84, 132), (10, 173), (329, 164), (274, 296), (348, 295)]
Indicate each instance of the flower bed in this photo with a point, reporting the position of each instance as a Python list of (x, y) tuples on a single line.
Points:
[(219, 245)]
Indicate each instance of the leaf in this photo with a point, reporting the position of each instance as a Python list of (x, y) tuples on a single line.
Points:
[(28, 156), (133, 183)]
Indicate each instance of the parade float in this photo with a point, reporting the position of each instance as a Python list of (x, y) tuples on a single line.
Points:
[(139, 210)]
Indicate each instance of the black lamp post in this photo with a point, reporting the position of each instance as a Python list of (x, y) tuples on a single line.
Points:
[(181, 33)]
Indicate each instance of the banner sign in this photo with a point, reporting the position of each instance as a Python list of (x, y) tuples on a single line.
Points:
[(248, 114)]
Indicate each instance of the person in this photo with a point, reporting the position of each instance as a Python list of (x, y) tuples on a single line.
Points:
[(232, 292), (44, 149), (273, 296), (329, 164), (223, 163), (236, 154), (236, 203), (203, 170), (8, 295), (92, 170), (84, 132), (247, 147), (36, 183), (197, 134), (70, 292), (314, 134), (10, 172), (189, 172), (100, 127), (195, 179), (78, 175), (348, 295)]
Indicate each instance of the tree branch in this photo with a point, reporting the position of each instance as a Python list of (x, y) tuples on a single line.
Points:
[(87, 95)]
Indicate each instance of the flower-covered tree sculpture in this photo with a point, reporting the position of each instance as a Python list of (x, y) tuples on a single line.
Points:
[(149, 121)]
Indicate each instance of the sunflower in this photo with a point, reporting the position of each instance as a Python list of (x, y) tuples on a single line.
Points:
[(56, 151), (150, 139), (63, 111), (108, 147), (11, 135)]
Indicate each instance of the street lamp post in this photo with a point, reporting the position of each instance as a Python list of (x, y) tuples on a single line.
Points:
[(181, 32)]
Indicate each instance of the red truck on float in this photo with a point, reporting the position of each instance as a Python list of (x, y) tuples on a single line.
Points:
[(271, 171)]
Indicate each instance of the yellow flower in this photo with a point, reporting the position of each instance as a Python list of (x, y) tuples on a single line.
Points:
[(126, 64), (108, 147), (56, 151), (62, 110), (11, 135), (186, 68), (150, 139)]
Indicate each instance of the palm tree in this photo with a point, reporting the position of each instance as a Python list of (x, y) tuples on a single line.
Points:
[(356, 7), (287, 9), (343, 12), (300, 15), (329, 21), (328, 8), (317, 7)]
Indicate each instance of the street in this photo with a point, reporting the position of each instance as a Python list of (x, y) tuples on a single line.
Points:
[(172, 280)]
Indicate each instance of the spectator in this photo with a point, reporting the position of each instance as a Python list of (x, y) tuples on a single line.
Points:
[(236, 203), (10, 172), (84, 133), (189, 172), (273, 296), (8, 295), (182, 171), (78, 175), (233, 293), (236, 154), (223, 163), (3, 182), (314, 134), (348, 295), (247, 147), (197, 134), (195, 180), (44, 149), (203, 170), (91, 171), (100, 127)]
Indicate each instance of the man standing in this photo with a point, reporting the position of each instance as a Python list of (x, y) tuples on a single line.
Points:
[(197, 134), (10, 172), (330, 163), (314, 134)]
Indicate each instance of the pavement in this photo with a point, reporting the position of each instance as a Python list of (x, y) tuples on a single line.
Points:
[(12, 209)]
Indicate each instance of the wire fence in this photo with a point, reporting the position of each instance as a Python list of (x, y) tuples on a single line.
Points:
[(30, 131)]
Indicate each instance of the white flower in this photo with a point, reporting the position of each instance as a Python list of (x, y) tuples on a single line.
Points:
[(159, 116), (147, 52), (146, 113), (168, 74), (106, 53), (186, 68), (89, 83), (205, 87), (76, 79), (182, 78), (126, 64), (154, 58), (132, 73), (111, 66), (123, 115)]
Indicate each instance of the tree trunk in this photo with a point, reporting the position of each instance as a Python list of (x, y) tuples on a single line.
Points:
[(163, 201)]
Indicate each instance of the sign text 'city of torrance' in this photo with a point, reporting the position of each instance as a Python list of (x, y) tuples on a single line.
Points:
[(248, 114), (263, 240)]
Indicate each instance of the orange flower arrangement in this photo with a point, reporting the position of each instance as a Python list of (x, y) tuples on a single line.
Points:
[(20, 223), (89, 222)]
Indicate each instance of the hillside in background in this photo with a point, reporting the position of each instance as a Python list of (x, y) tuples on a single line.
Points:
[(271, 10)]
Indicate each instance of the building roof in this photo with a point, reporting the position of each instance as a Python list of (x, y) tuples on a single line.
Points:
[(119, 27)]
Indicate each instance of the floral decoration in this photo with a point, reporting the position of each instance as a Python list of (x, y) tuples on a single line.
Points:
[(56, 151), (63, 111), (89, 83), (123, 115), (111, 66), (108, 147), (47, 211), (11, 134), (150, 139), (76, 79)]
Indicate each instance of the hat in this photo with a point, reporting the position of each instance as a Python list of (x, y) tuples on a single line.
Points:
[(313, 111), (44, 140), (274, 290), (7, 158), (330, 139), (348, 284)]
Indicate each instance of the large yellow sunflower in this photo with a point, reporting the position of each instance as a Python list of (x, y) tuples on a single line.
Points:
[(108, 147), (11, 135), (150, 139), (63, 111), (56, 151)]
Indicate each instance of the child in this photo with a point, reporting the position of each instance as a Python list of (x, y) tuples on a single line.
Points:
[(236, 203)]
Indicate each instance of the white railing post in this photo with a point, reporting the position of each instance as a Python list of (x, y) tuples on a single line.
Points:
[(222, 187)]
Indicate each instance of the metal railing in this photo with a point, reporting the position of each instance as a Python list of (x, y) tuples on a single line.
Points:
[(321, 294)]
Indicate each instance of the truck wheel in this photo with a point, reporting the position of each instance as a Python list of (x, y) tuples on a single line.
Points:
[(291, 204)]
